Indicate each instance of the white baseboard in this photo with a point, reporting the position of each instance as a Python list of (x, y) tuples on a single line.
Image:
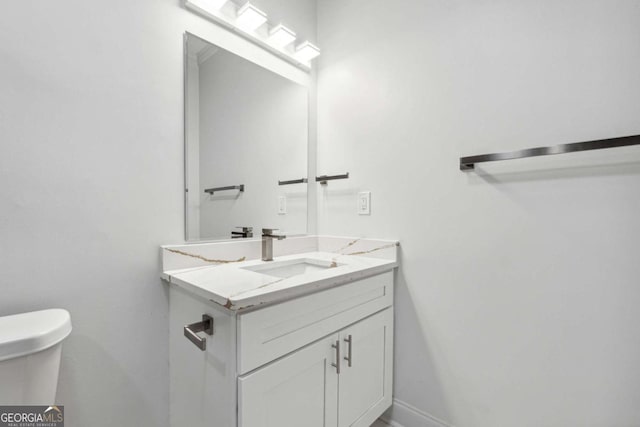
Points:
[(389, 422), (402, 414)]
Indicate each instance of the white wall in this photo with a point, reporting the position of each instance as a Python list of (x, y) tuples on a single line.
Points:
[(91, 166), (518, 296), (253, 131)]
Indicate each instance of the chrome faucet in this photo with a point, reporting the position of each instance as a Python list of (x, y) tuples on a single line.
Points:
[(244, 234), (267, 242)]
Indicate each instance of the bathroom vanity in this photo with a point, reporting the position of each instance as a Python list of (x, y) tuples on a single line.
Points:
[(268, 333), (304, 340)]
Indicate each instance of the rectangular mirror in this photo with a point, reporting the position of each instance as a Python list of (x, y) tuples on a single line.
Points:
[(246, 131)]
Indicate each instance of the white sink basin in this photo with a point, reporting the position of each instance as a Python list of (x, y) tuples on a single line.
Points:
[(290, 268)]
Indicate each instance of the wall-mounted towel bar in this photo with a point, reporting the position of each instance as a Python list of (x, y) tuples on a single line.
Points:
[(245, 233), (468, 163), (324, 178), (230, 187), (293, 181)]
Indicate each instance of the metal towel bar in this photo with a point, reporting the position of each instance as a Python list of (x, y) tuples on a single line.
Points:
[(230, 187), (293, 181), (191, 331), (468, 163), (324, 178)]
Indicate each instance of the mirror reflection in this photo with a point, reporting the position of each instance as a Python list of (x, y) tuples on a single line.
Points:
[(246, 133)]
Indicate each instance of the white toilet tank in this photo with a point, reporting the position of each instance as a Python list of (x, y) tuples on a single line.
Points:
[(30, 347)]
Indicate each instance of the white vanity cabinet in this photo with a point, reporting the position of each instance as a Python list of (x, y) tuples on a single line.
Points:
[(365, 385), (308, 388), (323, 359), (300, 389)]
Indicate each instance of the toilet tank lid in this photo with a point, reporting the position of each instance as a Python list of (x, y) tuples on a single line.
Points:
[(28, 333)]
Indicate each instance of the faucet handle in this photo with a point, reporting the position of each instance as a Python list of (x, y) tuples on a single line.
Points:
[(245, 228), (268, 232)]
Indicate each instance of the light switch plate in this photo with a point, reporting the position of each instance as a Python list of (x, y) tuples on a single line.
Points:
[(282, 205), (364, 203)]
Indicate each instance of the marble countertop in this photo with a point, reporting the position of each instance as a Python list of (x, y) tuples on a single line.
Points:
[(235, 287)]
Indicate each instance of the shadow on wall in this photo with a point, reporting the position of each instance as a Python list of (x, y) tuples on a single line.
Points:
[(133, 410), (600, 163), (411, 348)]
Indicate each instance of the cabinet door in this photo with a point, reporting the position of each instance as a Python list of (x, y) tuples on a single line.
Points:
[(365, 387), (298, 390)]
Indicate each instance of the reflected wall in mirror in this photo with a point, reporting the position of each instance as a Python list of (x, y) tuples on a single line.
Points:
[(244, 126)]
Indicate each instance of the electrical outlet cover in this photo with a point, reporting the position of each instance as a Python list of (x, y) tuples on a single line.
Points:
[(282, 205), (364, 203)]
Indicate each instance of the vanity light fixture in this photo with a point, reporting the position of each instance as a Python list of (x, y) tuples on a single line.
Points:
[(281, 36), (251, 23), (306, 51), (250, 17)]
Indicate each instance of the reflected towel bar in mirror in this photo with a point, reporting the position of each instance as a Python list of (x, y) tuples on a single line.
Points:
[(293, 181), (468, 163), (245, 233), (324, 178), (230, 187), (224, 153)]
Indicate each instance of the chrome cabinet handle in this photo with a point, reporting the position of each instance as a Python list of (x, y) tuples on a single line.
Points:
[(191, 331), (337, 364), (349, 356)]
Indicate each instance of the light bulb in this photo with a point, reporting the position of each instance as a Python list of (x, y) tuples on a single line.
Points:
[(281, 36), (307, 51), (214, 4), (250, 17)]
